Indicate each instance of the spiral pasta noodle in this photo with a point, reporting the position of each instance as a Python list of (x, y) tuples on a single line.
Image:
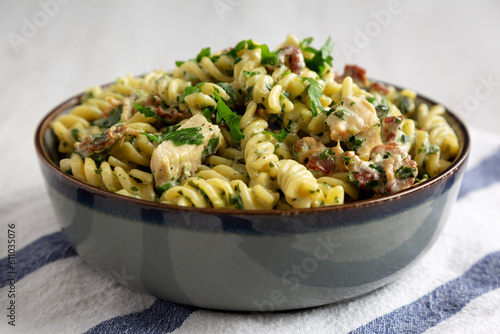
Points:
[(251, 128)]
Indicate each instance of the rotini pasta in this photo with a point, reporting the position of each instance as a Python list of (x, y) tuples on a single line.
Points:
[(249, 128)]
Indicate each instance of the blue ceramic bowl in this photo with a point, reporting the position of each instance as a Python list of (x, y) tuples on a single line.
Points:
[(250, 260)]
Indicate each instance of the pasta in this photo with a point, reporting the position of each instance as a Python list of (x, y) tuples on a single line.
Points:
[(249, 128)]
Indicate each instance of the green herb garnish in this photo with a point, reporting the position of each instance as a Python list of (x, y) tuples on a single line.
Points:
[(205, 52), (186, 136), (405, 172), (229, 89), (230, 117), (315, 92), (281, 136), (236, 199), (190, 90), (247, 74), (114, 117), (378, 168), (326, 153), (211, 148), (321, 58), (355, 143)]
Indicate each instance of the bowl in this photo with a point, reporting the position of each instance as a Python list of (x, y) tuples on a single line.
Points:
[(262, 260)]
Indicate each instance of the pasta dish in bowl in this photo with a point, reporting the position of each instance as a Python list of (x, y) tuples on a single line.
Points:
[(261, 154)]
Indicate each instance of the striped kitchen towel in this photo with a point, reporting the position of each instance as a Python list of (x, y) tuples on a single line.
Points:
[(453, 289)]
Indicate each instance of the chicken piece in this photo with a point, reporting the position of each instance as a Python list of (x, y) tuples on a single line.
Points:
[(172, 162), (316, 156), (355, 122), (389, 170)]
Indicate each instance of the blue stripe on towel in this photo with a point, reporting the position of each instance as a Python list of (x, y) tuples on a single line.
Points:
[(161, 317), (442, 303), (43, 251), (481, 176)]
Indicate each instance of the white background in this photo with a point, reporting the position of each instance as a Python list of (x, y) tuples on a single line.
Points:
[(49, 51)]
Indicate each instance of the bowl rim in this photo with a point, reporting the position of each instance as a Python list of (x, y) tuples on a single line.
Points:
[(458, 125)]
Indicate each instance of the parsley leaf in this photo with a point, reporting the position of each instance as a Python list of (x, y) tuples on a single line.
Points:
[(304, 44), (188, 136), (326, 153), (114, 117), (74, 133), (148, 112), (432, 149), (321, 57), (211, 148), (247, 74), (234, 51), (286, 73), (190, 90), (236, 199), (208, 112), (378, 168), (355, 143), (405, 172), (161, 189), (205, 52), (230, 117), (279, 137), (230, 91), (315, 92), (341, 113), (267, 57)]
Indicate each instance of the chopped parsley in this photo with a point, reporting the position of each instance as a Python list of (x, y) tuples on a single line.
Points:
[(378, 168), (286, 73), (164, 187), (371, 184), (236, 199), (355, 143), (405, 104), (432, 149), (186, 136), (229, 89), (267, 57), (230, 117), (148, 112), (341, 113), (190, 90), (205, 52), (326, 153), (74, 133), (315, 92), (405, 172), (370, 99), (351, 179), (321, 58), (114, 117), (208, 112), (247, 74), (281, 136), (382, 108), (211, 148)]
